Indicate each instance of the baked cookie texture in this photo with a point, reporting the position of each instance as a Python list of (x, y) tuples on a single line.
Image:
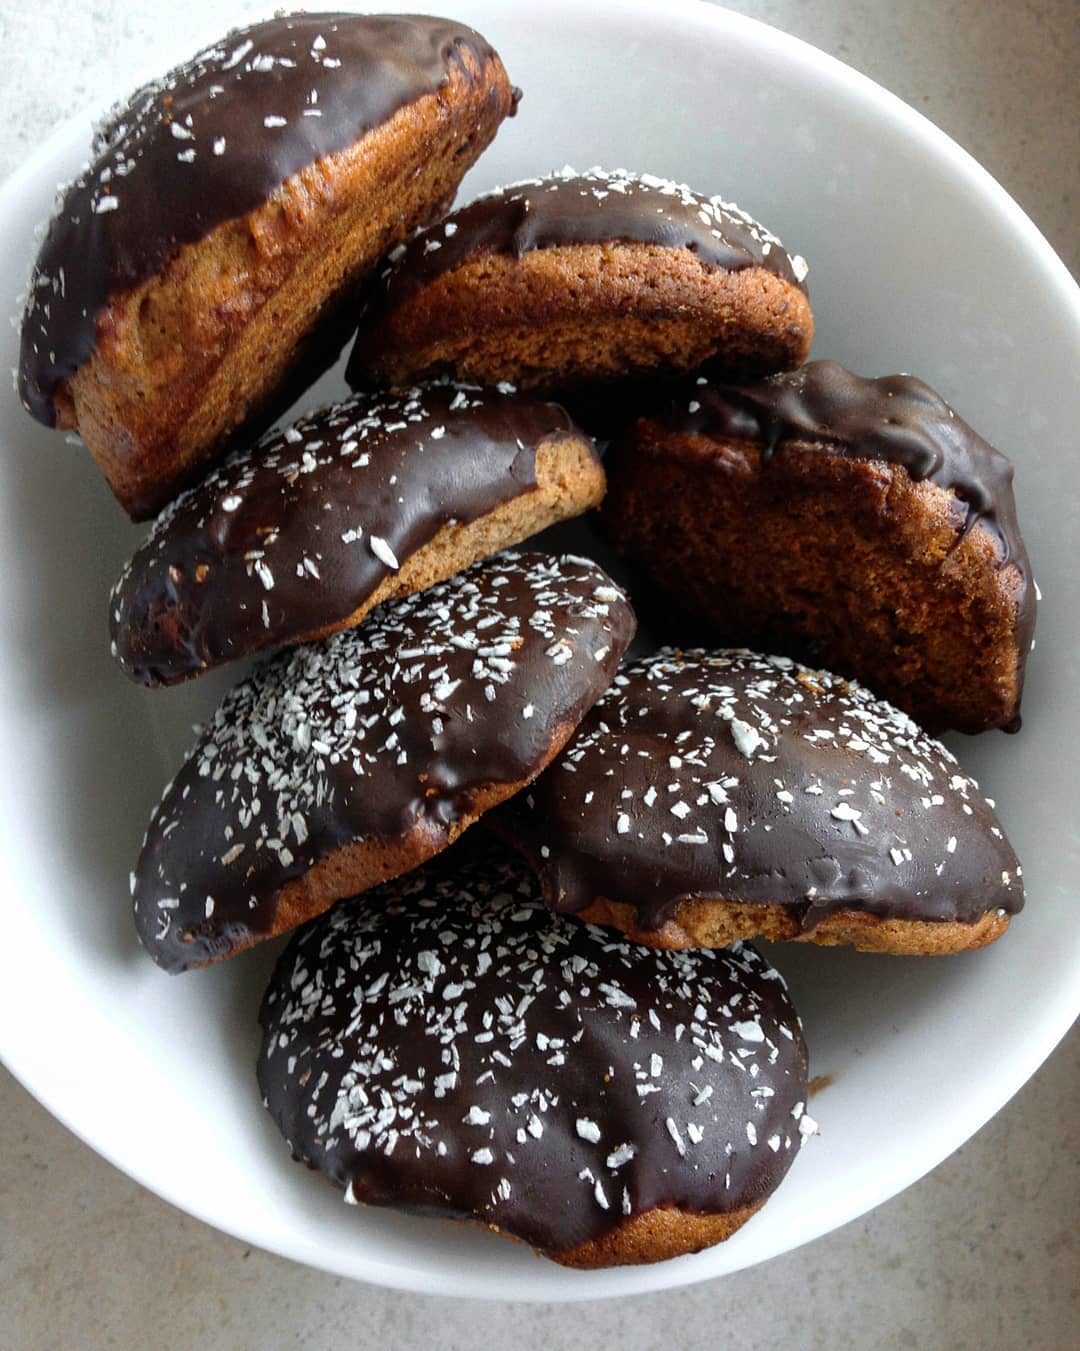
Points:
[(715, 796), (343, 763), (860, 524), (445, 1045), (226, 210), (356, 504), (572, 278)]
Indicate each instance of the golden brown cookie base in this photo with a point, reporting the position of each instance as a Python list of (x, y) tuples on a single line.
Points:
[(846, 562), (718, 923), (575, 312), (367, 863), (654, 1236), (569, 482), (182, 360)]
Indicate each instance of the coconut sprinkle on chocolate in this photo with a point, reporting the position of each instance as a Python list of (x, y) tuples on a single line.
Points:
[(293, 535), (788, 786), (448, 1027), (384, 733)]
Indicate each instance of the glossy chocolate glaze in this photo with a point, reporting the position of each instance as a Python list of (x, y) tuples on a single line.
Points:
[(385, 733), (592, 208), (209, 142), (896, 418), (446, 1046), (293, 535), (733, 776)]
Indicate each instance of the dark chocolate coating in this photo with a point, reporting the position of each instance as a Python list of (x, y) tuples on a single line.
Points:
[(739, 777), (211, 141), (895, 418), (384, 733), (281, 540), (568, 209), (446, 1046)]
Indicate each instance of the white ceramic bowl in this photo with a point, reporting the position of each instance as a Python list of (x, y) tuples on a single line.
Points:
[(919, 262)]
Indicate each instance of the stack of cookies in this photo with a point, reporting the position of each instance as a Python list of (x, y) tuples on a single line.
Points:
[(553, 1026)]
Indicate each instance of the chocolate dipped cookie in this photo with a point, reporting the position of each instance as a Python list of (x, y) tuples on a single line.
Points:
[(446, 1046), (574, 278), (346, 762), (716, 796), (354, 505), (857, 523), (226, 210)]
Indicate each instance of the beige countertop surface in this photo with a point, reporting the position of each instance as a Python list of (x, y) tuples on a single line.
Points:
[(981, 1253)]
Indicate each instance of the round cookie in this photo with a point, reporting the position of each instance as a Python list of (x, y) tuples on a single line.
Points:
[(354, 505), (227, 208), (715, 796), (574, 278), (857, 523), (446, 1046), (349, 761)]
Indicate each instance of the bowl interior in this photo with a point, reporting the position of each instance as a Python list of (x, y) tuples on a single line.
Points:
[(918, 262)]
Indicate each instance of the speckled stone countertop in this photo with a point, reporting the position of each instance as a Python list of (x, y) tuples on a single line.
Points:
[(982, 1253)]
